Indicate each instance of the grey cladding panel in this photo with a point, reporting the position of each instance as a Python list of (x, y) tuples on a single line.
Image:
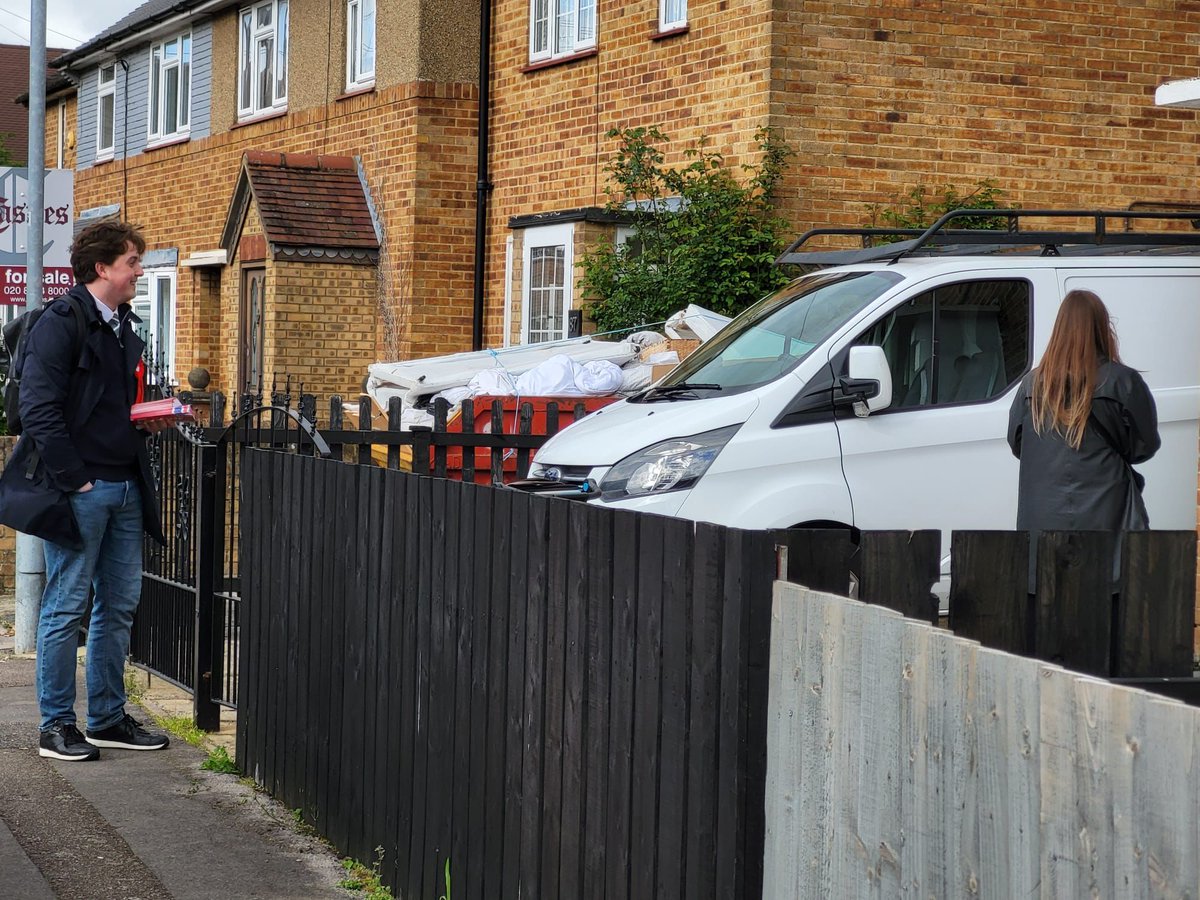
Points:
[(201, 78)]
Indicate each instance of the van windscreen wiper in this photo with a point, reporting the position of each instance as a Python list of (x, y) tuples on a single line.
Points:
[(671, 391)]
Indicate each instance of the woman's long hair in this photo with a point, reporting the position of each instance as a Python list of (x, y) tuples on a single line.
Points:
[(1063, 384)]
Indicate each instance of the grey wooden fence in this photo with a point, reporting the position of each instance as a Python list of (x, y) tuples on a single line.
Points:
[(905, 761)]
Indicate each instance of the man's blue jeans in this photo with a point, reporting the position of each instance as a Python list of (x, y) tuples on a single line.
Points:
[(110, 520)]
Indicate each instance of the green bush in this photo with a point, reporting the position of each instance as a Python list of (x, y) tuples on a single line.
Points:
[(715, 247), (917, 209)]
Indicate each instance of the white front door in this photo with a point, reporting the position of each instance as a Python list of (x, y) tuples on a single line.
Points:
[(154, 304), (546, 283)]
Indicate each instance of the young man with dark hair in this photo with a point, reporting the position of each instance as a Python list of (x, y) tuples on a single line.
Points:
[(80, 479)]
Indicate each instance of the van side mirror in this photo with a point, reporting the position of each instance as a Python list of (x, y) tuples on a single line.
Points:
[(868, 381)]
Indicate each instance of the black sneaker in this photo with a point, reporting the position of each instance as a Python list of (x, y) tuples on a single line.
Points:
[(62, 740), (128, 734)]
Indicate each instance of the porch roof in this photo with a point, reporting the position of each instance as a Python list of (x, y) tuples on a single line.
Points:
[(313, 207)]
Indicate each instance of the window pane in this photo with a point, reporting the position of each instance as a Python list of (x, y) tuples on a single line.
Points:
[(264, 15), (263, 76), (106, 122), (540, 27), (674, 12), (247, 67), (368, 37), (185, 86), (281, 56), (564, 33), (108, 74), (171, 101), (982, 335), (164, 338), (155, 68), (352, 44), (587, 22), (906, 337), (546, 292)]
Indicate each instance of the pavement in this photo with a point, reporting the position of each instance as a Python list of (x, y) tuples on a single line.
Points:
[(140, 825)]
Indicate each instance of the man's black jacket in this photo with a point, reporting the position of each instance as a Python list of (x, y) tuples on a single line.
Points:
[(75, 415)]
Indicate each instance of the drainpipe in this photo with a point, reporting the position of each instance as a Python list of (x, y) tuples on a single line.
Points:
[(482, 185), (31, 564)]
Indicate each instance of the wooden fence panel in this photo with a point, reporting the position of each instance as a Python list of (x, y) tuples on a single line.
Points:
[(817, 558), (1156, 610), (1018, 778), (558, 700), (989, 593), (898, 570), (600, 609), (1074, 599)]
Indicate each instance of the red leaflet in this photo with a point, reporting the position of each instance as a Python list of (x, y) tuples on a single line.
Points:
[(167, 408)]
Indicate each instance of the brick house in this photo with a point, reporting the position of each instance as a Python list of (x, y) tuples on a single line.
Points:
[(1053, 104), (14, 119)]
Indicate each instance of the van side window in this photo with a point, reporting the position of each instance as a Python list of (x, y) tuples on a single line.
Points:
[(958, 343)]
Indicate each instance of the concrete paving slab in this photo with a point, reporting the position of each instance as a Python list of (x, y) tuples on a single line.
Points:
[(20, 877), (143, 825)]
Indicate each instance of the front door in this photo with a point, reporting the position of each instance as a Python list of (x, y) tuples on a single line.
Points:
[(250, 340)]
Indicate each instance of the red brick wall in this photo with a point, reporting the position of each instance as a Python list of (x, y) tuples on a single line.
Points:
[(417, 146)]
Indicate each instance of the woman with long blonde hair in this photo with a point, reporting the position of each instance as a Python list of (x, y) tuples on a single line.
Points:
[(1079, 423)]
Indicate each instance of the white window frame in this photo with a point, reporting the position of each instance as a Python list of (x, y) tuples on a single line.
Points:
[(161, 66), (157, 312), (559, 28), (358, 74), (106, 90), (272, 38), (545, 237), (668, 21)]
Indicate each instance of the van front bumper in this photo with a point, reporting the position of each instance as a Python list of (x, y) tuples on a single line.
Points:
[(667, 503)]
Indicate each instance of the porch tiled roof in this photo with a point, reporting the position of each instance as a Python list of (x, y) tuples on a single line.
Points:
[(306, 203)]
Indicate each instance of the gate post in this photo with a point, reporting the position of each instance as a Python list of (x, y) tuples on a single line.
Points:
[(205, 711)]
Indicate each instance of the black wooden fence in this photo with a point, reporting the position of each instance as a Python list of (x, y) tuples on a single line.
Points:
[(188, 624), (569, 701), (560, 700)]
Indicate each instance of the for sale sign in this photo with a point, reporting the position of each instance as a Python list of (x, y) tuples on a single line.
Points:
[(15, 216)]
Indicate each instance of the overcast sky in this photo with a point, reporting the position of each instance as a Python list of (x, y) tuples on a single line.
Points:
[(68, 22)]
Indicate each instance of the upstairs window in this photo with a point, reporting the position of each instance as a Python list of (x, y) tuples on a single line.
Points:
[(262, 58), (106, 98), (560, 28), (672, 14), (170, 88), (360, 43)]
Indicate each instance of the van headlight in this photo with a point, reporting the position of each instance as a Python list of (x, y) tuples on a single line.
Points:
[(673, 465)]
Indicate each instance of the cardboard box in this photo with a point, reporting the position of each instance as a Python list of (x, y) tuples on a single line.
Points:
[(681, 346)]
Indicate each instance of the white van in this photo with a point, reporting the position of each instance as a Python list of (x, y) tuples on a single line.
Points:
[(876, 394)]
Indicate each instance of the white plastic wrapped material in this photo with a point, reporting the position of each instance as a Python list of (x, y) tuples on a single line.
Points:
[(597, 377), (454, 396), (635, 376), (415, 418), (665, 358), (492, 382), (695, 322), (644, 339), (561, 376)]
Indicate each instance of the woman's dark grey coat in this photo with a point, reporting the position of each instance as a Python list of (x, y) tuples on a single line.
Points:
[(1089, 489)]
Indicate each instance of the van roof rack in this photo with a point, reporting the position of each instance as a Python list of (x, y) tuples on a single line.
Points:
[(893, 244)]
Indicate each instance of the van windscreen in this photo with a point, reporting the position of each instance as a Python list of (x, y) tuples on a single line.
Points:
[(774, 335)]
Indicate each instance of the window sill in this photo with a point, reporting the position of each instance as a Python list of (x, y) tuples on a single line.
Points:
[(101, 160), (559, 61), (261, 117), (356, 91), (167, 142), (668, 33)]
